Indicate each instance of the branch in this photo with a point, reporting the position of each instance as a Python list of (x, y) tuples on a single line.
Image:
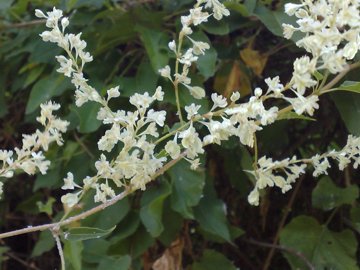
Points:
[(286, 249), (57, 225)]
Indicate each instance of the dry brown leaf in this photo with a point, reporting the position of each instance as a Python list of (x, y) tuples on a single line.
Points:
[(255, 60), (171, 258), (236, 80)]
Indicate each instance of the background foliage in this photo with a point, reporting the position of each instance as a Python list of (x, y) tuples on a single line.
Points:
[(196, 220)]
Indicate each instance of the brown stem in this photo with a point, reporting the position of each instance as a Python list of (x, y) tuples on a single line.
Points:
[(286, 249)]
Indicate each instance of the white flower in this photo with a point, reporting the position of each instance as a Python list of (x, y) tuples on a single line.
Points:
[(196, 91), (188, 57), (219, 101), (197, 16), (173, 149), (70, 199), (172, 46), (158, 117), (40, 14), (291, 8), (320, 164), (254, 197), (69, 182), (141, 100), (199, 47), (235, 96), (192, 110), (159, 94), (166, 72), (113, 93), (303, 104)]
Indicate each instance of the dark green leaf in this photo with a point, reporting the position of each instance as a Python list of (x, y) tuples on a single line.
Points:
[(211, 215), (45, 89), (187, 188), (87, 116), (294, 115), (350, 86), (213, 260), (45, 243), (323, 248), (114, 263), (152, 208), (155, 43), (327, 195), (85, 233), (73, 254), (348, 105)]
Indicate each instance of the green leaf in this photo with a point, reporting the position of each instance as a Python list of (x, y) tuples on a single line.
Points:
[(294, 115), (87, 116), (211, 215), (348, 104), (350, 86), (155, 43), (187, 188), (45, 243), (73, 254), (173, 222), (318, 75), (327, 195), (245, 9), (355, 217), (85, 233), (213, 260), (114, 263), (109, 217), (45, 89), (152, 208), (273, 20), (47, 207), (207, 62), (323, 248)]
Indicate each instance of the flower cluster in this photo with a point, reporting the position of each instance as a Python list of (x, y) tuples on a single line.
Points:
[(285, 172), (134, 135), (30, 157)]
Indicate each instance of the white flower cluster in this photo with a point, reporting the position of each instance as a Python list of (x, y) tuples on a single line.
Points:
[(134, 134), (285, 172), (195, 18), (331, 30), (30, 157)]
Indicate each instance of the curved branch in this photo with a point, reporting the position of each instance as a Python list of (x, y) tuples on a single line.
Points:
[(91, 211)]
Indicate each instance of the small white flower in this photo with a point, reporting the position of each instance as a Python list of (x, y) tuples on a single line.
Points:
[(219, 101), (235, 96), (159, 94), (69, 182), (192, 110), (172, 46), (166, 72), (113, 93), (173, 149), (70, 199)]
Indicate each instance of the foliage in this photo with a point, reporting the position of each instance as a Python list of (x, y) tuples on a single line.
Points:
[(194, 219)]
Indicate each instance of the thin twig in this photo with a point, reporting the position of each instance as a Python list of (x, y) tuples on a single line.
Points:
[(55, 233), (286, 249), (22, 25), (91, 211)]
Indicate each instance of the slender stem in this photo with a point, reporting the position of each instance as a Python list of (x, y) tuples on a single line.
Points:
[(172, 133), (91, 211), (176, 82), (55, 233), (340, 76), (286, 249)]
